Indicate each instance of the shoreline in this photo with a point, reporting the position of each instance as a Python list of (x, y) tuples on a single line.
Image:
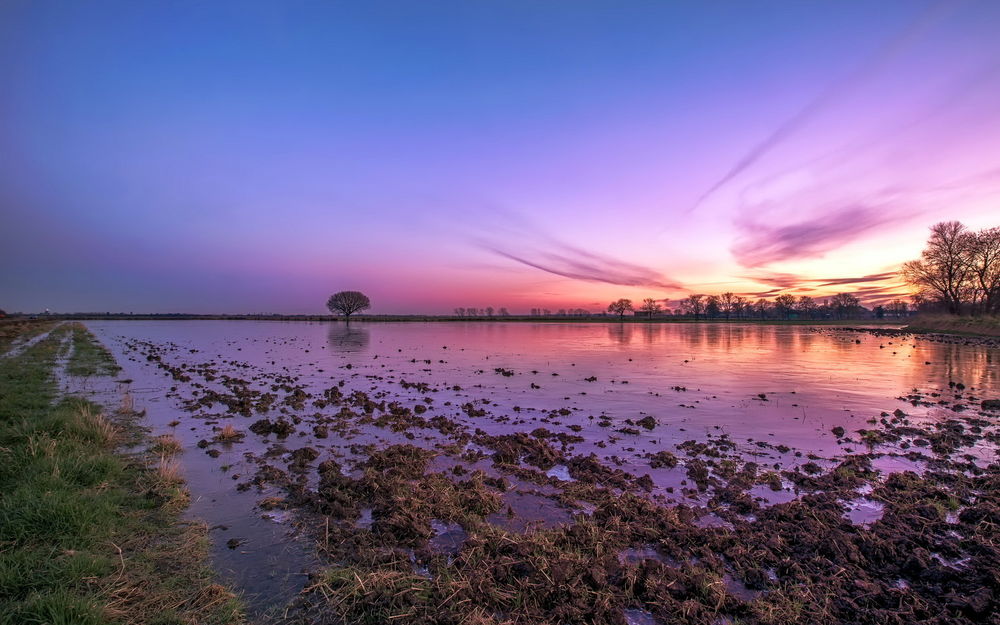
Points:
[(455, 319), (93, 503)]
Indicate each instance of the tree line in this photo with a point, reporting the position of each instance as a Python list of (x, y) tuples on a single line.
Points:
[(731, 306), (958, 271)]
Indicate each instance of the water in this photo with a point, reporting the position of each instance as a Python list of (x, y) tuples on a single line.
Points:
[(761, 387)]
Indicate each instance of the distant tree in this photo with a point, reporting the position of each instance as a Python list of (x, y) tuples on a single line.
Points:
[(898, 308), (713, 307), (693, 304), (879, 312), (348, 302), (650, 307), (489, 311), (806, 306), (761, 306), (620, 307), (740, 307), (546, 312), (561, 312), (727, 303), (784, 305), (845, 305), (503, 312), (459, 312)]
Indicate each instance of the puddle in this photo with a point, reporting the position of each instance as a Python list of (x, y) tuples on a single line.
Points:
[(712, 520), (560, 472), (863, 511), (738, 589), (635, 616), (646, 552), (366, 520), (530, 511), (448, 537)]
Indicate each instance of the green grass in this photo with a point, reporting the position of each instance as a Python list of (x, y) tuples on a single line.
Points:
[(89, 357), (88, 535)]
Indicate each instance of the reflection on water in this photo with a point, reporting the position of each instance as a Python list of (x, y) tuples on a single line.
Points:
[(345, 337)]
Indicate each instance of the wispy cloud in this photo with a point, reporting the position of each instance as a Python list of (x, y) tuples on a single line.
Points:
[(872, 288), (515, 237), (569, 262), (834, 92), (762, 244)]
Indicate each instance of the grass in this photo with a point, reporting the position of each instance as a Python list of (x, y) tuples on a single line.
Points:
[(16, 331), (952, 324), (89, 535), (229, 434), (89, 357)]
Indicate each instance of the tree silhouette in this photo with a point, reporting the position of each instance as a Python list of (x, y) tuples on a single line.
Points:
[(620, 307), (348, 302), (650, 307)]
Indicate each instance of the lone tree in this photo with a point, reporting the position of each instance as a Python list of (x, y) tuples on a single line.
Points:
[(348, 302), (620, 307)]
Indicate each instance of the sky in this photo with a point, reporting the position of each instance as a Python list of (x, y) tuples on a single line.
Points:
[(216, 157)]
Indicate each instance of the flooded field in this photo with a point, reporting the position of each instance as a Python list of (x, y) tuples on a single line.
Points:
[(518, 472)]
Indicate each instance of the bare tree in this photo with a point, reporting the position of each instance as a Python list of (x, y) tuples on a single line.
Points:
[(693, 304), (741, 306), (984, 265), (761, 307), (650, 307), (845, 305), (727, 302), (943, 269), (784, 305), (348, 302), (620, 307), (806, 306), (897, 308), (713, 307)]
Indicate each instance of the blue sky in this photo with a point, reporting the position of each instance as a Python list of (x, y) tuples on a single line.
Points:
[(235, 157)]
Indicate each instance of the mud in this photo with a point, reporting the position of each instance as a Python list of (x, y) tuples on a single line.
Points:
[(435, 497)]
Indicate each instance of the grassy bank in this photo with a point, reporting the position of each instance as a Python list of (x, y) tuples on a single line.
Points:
[(951, 324), (15, 331), (89, 535), (89, 356)]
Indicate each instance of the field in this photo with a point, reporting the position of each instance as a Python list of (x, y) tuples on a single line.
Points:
[(526, 473)]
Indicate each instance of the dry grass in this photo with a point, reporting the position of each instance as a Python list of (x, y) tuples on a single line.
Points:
[(166, 445), (129, 600), (94, 420), (128, 403), (229, 434), (985, 326)]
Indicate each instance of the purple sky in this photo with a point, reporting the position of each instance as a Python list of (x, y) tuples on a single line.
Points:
[(255, 157)]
